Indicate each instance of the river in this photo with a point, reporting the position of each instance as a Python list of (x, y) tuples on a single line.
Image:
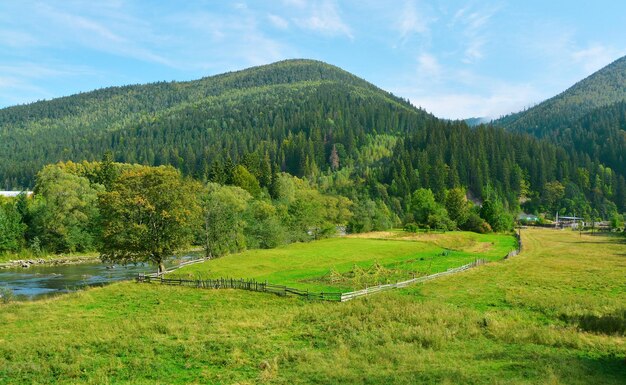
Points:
[(40, 281)]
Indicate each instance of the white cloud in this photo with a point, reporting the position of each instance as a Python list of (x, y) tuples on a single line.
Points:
[(118, 34), (295, 3), (278, 21), (17, 39), (491, 105), (39, 70), (325, 19), (460, 94), (595, 57), (473, 26), (428, 65), (411, 21), (226, 42)]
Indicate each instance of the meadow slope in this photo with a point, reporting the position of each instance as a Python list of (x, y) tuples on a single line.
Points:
[(353, 262), (554, 314)]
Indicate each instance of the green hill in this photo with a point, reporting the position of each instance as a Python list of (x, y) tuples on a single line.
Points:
[(306, 118), (605, 87), (190, 124), (588, 118)]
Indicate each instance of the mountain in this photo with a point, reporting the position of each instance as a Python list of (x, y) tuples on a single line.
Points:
[(306, 118), (189, 124), (473, 122), (588, 119), (605, 87)]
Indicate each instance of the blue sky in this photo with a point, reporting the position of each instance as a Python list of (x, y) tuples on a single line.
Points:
[(456, 59)]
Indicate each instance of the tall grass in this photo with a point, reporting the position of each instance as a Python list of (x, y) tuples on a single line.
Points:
[(502, 323)]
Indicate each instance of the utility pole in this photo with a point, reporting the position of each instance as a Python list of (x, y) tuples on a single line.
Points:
[(556, 223)]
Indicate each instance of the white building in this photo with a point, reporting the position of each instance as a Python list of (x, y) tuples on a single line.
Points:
[(11, 194)]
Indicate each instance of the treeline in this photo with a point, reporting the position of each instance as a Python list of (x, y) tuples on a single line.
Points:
[(134, 212), (603, 88), (524, 172)]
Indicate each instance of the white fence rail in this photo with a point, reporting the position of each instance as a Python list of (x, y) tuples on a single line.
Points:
[(398, 285)]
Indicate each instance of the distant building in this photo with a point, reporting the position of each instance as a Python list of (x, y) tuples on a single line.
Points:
[(571, 222), (602, 225), (527, 217), (11, 194)]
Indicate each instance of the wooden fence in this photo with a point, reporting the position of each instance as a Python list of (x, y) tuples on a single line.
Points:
[(399, 285), (241, 284), (519, 247), (282, 290), (183, 264)]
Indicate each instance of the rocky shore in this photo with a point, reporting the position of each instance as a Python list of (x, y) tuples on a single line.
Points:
[(26, 263)]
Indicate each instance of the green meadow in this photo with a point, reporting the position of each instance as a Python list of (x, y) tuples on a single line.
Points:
[(343, 264), (555, 314)]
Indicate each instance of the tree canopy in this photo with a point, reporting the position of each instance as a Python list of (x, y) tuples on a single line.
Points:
[(147, 215)]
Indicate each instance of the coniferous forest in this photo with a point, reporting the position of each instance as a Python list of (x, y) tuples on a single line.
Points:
[(286, 140)]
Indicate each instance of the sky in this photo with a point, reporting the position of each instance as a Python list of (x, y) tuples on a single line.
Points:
[(456, 59)]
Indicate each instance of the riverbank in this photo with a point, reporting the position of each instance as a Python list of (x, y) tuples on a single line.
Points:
[(11, 261), (50, 260)]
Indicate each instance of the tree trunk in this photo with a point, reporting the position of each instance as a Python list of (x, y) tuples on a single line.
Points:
[(161, 267)]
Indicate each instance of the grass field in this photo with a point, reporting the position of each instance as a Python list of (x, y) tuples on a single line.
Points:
[(342, 264), (553, 315)]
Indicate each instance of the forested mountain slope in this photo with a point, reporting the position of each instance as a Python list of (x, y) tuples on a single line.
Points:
[(605, 87), (189, 124), (309, 119), (588, 120)]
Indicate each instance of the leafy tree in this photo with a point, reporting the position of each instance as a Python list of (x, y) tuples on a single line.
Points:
[(148, 214), (305, 216), (552, 194), (244, 179), (617, 221), (369, 215), (439, 220), (65, 211), (107, 172), (223, 209), (494, 213), (427, 212), (263, 227), (11, 228), (283, 188), (476, 224)]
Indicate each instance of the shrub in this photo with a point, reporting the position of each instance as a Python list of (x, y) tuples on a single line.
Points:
[(6, 295), (411, 227)]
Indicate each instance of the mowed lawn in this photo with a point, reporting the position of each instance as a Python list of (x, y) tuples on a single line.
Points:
[(553, 315), (401, 255)]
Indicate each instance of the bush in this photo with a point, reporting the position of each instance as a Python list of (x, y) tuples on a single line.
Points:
[(440, 221), (6, 295), (411, 227), (476, 224)]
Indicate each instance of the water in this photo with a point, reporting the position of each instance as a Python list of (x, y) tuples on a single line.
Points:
[(39, 281)]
